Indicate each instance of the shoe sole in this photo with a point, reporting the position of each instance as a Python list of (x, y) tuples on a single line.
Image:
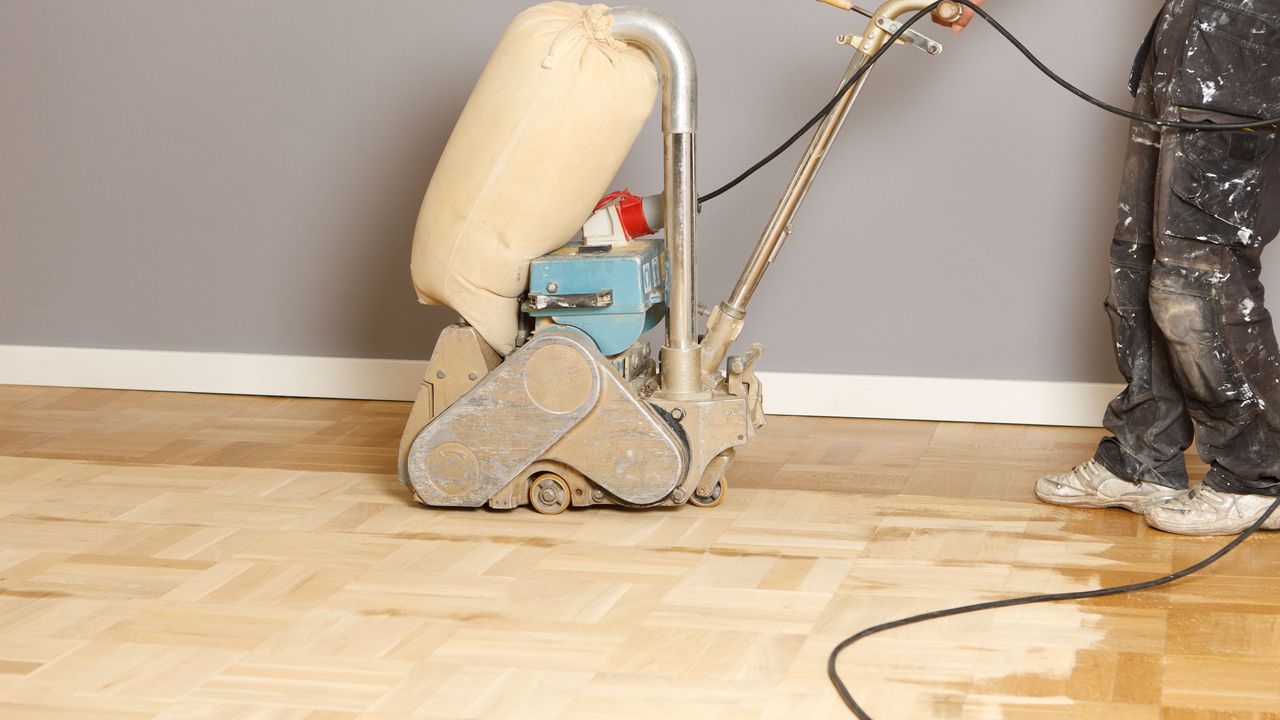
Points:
[(1135, 506), (1210, 532), (1138, 506)]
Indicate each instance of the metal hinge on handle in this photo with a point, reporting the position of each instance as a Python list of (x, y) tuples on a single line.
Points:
[(910, 37)]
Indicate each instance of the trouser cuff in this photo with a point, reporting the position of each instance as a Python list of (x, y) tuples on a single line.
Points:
[(1127, 465), (1223, 480)]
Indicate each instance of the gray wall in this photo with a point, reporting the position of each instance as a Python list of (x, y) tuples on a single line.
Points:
[(244, 175)]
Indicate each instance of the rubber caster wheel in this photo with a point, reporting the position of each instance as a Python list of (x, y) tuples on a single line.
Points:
[(549, 494), (715, 498)]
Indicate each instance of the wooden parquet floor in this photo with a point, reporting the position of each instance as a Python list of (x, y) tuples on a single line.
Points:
[(234, 558)]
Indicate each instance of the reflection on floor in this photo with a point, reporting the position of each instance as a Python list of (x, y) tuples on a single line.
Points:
[(185, 556)]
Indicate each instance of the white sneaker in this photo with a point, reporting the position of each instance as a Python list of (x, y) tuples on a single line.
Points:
[(1205, 511), (1090, 485)]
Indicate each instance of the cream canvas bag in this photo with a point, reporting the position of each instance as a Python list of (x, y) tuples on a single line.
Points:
[(549, 123)]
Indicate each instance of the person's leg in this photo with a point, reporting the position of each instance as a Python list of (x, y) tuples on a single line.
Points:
[(1148, 421), (1219, 205), (1208, 302), (1141, 463)]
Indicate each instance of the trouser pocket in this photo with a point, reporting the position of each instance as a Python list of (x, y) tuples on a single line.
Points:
[(1230, 73), (1231, 63), (1217, 183)]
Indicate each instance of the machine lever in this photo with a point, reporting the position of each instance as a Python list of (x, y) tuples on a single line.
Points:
[(742, 381), (910, 37), (738, 364), (539, 301), (933, 47)]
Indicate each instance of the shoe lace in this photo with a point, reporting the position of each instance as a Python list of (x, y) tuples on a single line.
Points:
[(1091, 471), (1204, 496), (1087, 471)]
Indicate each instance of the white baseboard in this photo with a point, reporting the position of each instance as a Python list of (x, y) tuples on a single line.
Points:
[(223, 373), (1021, 402), (824, 395)]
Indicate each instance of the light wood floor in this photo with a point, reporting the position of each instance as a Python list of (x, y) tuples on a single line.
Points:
[(185, 556)]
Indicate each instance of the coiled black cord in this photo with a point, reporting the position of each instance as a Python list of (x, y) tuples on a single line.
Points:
[(871, 61), (1012, 602)]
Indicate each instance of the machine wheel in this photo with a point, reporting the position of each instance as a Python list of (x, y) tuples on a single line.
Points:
[(549, 494), (715, 498)]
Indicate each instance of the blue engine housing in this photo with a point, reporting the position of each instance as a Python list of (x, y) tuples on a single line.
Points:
[(612, 293)]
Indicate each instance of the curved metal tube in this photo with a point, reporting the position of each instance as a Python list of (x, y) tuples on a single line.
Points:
[(670, 51)]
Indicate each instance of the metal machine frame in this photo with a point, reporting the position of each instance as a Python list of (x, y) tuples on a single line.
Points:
[(557, 424)]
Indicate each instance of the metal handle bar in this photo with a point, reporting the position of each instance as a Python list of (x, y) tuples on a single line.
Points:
[(727, 319)]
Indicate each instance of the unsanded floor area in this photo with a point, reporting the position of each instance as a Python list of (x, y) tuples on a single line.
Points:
[(189, 556)]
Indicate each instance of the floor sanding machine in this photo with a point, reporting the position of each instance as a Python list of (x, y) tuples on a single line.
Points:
[(580, 412)]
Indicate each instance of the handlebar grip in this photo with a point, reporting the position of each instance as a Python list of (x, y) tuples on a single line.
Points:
[(949, 12)]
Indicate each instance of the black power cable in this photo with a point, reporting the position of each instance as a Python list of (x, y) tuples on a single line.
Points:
[(871, 61), (1013, 602), (832, 673)]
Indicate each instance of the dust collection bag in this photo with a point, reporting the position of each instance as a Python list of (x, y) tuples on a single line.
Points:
[(549, 123)]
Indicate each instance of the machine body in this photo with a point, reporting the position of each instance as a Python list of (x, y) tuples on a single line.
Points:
[(581, 413)]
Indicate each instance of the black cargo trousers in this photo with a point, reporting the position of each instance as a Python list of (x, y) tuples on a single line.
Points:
[(1192, 337)]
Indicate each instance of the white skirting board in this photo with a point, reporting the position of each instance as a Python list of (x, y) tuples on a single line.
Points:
[(786, 393)]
